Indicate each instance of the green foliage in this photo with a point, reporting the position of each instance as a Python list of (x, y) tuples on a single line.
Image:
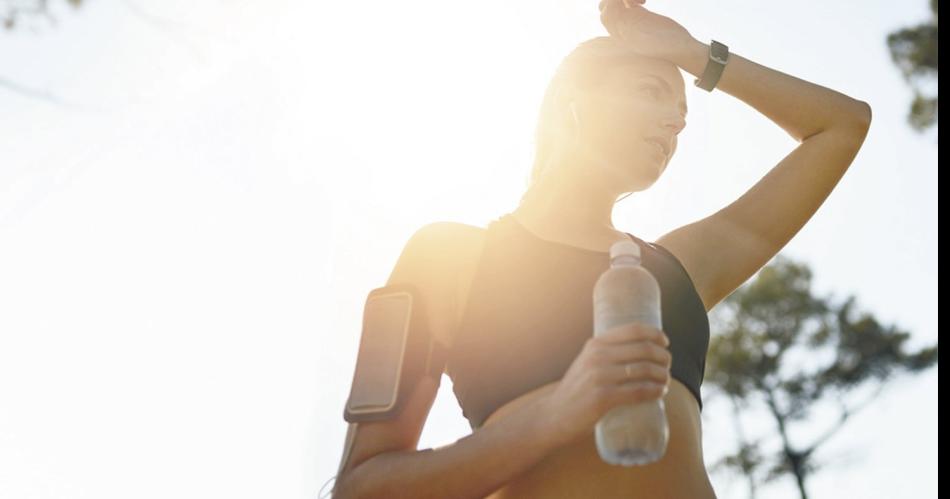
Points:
[(914, 51), (778, 347), (13, 12)]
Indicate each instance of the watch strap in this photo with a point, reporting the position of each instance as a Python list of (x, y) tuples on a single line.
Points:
[(718, 57)]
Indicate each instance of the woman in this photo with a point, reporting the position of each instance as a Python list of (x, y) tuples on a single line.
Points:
[(514, 300)]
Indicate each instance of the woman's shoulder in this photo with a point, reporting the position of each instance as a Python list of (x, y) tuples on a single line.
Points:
[(448, 227), (449, 238), (444, 255), (456, 248)]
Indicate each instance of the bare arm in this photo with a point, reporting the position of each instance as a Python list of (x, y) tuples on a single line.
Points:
[(494, 455), (471, 467), (384, 461), (799, 107), (725, 249)]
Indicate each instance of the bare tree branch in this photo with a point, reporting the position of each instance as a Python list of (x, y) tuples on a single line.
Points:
[(846, 413), (33, 93)]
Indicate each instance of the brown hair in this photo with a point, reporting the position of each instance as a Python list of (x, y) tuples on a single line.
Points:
[(583, 68)]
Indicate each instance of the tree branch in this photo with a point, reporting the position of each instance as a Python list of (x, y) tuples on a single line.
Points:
[(846, 413), (747, 467), (32, 92)]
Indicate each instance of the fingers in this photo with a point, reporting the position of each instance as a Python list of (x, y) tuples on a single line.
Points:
[(633, 352), (626, 3), (634, 332), (633, 372), (605, 4)]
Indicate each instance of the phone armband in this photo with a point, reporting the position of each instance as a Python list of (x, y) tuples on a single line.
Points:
[(396, 351)]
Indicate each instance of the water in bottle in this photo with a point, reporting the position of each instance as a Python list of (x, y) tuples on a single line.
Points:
[(630, 434)]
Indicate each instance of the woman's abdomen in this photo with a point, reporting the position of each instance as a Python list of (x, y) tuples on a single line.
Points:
[(576, 470)]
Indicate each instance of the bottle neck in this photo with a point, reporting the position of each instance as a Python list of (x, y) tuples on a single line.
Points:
[(624, 261)]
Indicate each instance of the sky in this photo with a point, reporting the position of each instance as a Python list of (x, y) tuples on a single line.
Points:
[(196, 197)]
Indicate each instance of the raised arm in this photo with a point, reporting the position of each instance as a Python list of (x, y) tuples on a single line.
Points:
[(723, 250)]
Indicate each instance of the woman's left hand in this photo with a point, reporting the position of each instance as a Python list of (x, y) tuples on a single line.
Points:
[(647, 33)]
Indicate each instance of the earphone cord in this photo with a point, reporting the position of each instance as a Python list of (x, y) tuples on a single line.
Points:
[(347, 447)]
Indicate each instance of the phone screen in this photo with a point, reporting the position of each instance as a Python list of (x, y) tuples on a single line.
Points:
[(381, 353)]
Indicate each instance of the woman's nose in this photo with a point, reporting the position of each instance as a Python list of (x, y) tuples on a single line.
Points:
[(675, 123)]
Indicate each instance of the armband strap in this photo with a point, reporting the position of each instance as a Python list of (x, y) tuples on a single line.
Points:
[(435, 361)]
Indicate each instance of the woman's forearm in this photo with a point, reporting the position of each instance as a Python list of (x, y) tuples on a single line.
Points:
[(799, 107), (472, 467)]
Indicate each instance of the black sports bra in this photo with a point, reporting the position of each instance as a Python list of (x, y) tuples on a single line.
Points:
[(530, 310)]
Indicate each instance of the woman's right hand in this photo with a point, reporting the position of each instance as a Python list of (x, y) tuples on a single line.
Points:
[(598, 380)]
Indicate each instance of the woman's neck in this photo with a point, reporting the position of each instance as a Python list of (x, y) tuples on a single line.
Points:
[(567, 208)]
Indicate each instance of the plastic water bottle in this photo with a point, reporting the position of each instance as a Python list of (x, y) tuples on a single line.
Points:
[(631, 434)]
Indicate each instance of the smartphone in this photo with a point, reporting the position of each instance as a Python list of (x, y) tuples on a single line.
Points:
[(385, 346)]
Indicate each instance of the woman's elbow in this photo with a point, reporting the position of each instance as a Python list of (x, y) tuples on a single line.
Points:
[(865, 113), (854, 120), (860, 117)]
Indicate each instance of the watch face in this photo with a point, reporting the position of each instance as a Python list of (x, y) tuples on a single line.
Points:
[(719, 52)]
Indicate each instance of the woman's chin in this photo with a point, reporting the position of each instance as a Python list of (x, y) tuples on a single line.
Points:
[(621, 174), (638, 177)]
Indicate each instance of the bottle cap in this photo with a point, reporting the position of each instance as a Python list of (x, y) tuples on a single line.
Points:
[(627, 248)]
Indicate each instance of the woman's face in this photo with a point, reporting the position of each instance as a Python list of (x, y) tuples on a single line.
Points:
[(632, 107)]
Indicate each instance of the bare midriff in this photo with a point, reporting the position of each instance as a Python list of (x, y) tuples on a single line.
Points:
[(576, 470)]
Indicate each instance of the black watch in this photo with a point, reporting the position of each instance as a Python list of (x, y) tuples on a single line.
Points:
[(718, 56)]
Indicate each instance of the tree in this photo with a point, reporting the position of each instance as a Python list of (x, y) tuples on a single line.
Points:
[(914, 51), (12, 12), (780, 349), (12, 15)]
